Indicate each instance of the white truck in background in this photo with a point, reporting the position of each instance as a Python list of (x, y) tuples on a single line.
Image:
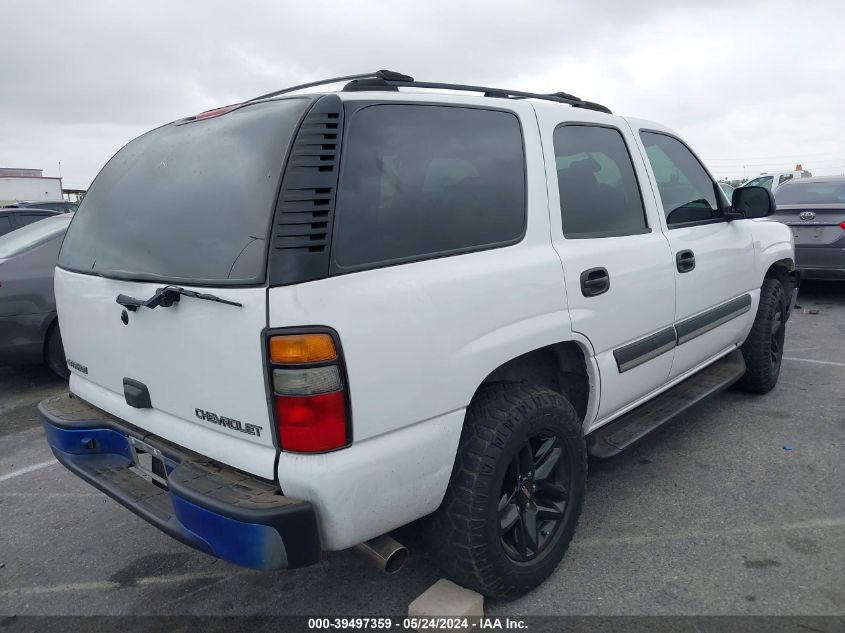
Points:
[(771, 180)]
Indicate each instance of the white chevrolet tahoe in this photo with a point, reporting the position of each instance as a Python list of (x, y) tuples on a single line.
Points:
[(297, 323)]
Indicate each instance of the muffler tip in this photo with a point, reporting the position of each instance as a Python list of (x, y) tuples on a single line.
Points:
[(396, 561), (385, 553)]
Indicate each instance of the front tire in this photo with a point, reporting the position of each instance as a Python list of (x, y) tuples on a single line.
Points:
[(763, 349), (515, 494)]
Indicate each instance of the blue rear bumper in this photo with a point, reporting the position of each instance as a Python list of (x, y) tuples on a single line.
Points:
[(215, 509)]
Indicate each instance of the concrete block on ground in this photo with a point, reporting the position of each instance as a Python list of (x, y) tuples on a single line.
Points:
[(445, 598)]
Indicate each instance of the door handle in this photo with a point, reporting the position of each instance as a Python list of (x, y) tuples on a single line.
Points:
[(595, 281), (685, 261)]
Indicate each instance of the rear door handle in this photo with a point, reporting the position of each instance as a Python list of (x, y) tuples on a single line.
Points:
[(594, 282), (685, 261)]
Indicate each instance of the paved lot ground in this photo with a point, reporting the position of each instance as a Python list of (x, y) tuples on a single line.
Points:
[(709, 516)]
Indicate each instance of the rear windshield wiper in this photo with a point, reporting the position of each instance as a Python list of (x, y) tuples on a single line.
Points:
[(167, 296)]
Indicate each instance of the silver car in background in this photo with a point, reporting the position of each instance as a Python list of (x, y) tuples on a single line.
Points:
[(29, 329), (815, 210)]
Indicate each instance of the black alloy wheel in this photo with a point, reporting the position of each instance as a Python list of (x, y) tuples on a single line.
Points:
[(533, 497)]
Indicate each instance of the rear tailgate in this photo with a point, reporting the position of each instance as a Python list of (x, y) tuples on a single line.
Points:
[(188, 205), (813, 225), (201, 362), (819, 234)]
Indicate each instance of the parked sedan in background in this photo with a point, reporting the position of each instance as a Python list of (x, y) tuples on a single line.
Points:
[(815, 210), (29, 330), (62, 206), (15, 218)]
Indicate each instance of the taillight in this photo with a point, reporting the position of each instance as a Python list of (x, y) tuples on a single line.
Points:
[(842, 225), (310, 398), (302, 348)]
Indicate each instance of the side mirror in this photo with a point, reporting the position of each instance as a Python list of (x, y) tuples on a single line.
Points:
[(752, 202)]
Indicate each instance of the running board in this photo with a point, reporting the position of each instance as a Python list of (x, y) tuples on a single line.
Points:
[(616, 436)]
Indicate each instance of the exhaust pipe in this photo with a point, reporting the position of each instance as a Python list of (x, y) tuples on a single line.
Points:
[(383, 552)]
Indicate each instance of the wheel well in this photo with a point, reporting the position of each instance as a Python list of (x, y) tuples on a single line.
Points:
[(53, 323), (561, 367), (784, 271), (781, 268)]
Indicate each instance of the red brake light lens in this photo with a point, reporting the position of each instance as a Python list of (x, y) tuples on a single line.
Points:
[(312, 424), (210, 114), (842, 225)]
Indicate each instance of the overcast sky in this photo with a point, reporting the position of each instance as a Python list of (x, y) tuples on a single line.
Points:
[(754, 84)]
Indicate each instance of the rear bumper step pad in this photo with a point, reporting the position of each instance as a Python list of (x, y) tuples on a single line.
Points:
[(211, 507), (616, 436)]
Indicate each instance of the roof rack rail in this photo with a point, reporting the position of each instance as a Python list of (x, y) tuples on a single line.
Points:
[(390, 80), (378, 74)]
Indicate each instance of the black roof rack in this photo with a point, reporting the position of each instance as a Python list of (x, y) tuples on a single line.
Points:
[(390, 80)]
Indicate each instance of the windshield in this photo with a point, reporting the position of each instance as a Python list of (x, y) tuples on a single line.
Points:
[(765, 181), (811, 192), (31, 235), (189, 201)]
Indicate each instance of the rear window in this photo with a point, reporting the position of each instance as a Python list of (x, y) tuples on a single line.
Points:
[(32, 235), (808, 192), (426, 181), (187, 201)]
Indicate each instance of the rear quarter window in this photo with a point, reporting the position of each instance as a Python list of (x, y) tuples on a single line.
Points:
[(422, 181), (808, 192)]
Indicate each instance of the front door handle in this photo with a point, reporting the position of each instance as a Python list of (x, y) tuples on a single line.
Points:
[(685, 261), (594, 282)]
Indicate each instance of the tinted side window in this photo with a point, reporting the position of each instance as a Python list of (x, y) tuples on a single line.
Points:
[(686, 190), (5, 224), (29, 218), (422, 181), (599, 194), (809, 192)]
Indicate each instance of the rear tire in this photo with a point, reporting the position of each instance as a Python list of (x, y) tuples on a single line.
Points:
[(763, 349), (54, 352), (515, 494)]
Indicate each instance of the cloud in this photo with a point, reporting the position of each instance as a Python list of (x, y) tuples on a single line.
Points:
[(738, 80)]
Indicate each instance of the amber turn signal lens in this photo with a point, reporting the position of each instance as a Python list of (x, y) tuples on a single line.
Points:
[(302, 348)]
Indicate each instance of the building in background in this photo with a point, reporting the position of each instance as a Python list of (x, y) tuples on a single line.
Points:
[(28, 184)]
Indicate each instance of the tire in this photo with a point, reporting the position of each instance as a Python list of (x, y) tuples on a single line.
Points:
[(508, 426), (763, 349), (54, 352)]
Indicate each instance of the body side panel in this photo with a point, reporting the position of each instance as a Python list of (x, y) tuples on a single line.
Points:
[(419, 338)]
